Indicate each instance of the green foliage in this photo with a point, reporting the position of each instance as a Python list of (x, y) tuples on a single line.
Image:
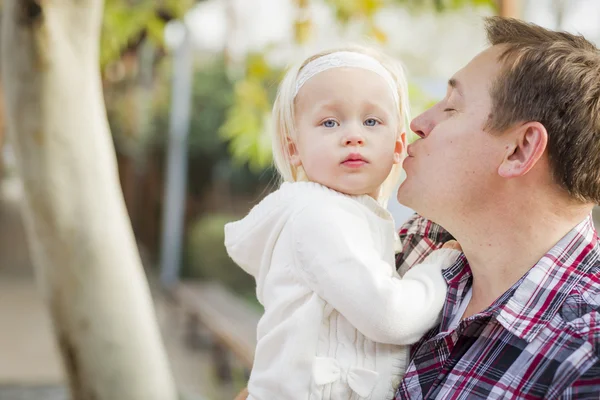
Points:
[(248, 119), (365, 10), (213, 98), (419, 102), (207, 256), (445, 5), (126, 21), (442, 5), (347, 10)]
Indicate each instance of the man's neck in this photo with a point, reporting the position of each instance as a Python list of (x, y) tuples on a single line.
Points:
[(502, 247)]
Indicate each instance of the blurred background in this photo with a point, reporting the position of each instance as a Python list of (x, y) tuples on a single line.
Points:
[(188, 87)]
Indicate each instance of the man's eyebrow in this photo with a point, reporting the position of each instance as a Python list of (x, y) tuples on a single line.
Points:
[(454, 84)]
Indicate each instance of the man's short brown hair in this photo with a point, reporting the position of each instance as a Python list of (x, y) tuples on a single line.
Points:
[(553, 78)]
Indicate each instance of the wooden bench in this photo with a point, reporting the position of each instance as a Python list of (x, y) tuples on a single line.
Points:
[(229, 319)]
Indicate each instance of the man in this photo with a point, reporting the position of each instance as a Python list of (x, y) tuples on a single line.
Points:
[(509, 165)]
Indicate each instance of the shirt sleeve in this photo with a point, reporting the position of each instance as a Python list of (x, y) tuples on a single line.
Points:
[(337, 257)]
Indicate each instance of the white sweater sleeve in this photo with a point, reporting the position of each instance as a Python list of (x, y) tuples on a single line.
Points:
[(336, 256)]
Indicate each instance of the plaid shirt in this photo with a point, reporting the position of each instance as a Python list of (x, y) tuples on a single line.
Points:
[(540, 340)]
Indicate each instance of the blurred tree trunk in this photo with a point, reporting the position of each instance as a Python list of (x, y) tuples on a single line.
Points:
[(84, 252), (2, 134)]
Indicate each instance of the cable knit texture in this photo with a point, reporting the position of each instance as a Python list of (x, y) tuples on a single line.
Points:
[(337, 316)]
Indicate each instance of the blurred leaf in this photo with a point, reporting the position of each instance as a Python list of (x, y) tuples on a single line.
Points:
[(419, 102), (256, 66), (370, 7), (155, 28), (347, 10), (247, 122), (302, 30), (379, 35), (355, 9), (251, 92), (302, 3), (125, 22), (445, 5)]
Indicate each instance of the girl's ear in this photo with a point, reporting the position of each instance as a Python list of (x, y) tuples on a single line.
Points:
[(400, 148), (293, 153)]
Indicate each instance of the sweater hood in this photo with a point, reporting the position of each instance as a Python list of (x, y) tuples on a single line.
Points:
[(251, 240)]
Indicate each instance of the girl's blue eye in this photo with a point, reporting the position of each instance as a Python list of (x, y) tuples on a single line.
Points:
[(371, 122), (330, 123)]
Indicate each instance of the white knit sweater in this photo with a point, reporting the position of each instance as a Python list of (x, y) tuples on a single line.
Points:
[(337, 315)]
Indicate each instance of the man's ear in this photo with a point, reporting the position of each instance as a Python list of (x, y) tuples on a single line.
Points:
[(293, 152), (528, 143), (400, 148)]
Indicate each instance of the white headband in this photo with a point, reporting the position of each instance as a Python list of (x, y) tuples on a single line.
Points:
[(346, 59)]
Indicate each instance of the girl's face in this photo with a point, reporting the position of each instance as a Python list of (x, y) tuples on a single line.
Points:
[(348, 134)]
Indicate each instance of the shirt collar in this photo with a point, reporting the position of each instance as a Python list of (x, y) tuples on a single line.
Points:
[(535, 299), (542, 291), (459, 279)]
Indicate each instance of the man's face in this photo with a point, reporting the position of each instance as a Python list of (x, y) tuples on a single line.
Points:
[(453, 169)]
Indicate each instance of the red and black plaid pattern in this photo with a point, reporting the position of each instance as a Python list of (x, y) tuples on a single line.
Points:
[(540, 340)]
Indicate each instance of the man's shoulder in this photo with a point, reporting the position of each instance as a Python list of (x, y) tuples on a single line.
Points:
[(420, 227), (418, 237), (581, 309)]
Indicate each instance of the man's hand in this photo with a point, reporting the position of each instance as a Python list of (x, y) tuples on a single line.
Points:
[(450, 244), (242, 395)]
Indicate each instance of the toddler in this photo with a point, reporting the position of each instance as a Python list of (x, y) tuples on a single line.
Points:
[(337, 315)]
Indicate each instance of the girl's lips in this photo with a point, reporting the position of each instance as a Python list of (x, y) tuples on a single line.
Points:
[(354, 160), (354, 163)]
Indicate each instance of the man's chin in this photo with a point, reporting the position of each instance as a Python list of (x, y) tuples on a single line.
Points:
[(404, 198), (416, 203)]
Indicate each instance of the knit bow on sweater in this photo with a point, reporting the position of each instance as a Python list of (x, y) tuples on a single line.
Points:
[(328, 370)]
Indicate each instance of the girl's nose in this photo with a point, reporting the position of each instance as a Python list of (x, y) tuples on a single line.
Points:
[(354, 139)]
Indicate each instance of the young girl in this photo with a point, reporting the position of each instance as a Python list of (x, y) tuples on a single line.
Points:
[(337, 316)]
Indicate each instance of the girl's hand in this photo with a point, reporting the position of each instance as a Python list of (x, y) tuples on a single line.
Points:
[(452, 244)]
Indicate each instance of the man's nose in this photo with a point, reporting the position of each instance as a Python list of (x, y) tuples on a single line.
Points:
[(422, 124)]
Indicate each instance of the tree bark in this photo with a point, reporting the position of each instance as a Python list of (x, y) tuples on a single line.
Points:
[(86, 260)]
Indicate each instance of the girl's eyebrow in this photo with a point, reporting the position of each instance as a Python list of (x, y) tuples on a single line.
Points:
[(325, 105)]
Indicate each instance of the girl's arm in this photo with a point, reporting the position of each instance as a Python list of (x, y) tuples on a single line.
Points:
[(336, 255)]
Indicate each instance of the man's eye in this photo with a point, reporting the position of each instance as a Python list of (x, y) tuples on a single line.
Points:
[(330, 123), (371, 122), (449, 109)]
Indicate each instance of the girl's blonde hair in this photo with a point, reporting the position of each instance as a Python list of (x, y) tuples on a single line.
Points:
[(285, 126)]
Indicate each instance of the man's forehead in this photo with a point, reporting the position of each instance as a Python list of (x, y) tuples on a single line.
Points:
[(481, 70)]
